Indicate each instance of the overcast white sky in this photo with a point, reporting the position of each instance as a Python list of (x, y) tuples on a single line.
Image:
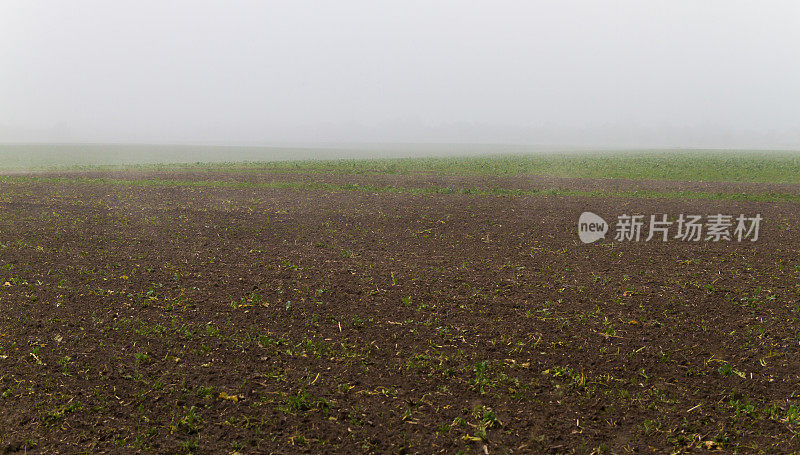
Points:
[(594, 72)]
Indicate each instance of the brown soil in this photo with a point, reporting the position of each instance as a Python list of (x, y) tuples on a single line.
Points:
[(187, 319)]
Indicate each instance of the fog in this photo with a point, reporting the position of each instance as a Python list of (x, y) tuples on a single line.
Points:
[(584, 73)]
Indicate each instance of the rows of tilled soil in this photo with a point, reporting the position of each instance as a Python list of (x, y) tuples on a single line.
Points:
[(208, 320)]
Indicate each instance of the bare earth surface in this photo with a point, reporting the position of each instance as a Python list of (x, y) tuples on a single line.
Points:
[(217, 320)]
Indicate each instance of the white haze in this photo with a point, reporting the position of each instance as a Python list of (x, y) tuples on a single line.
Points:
[(685, 73)]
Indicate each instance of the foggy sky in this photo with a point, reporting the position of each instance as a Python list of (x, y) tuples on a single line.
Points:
[(721, 73)]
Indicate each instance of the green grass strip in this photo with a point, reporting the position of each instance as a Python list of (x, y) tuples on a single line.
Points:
[(672, 165), (432, 190), (695, 166)]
